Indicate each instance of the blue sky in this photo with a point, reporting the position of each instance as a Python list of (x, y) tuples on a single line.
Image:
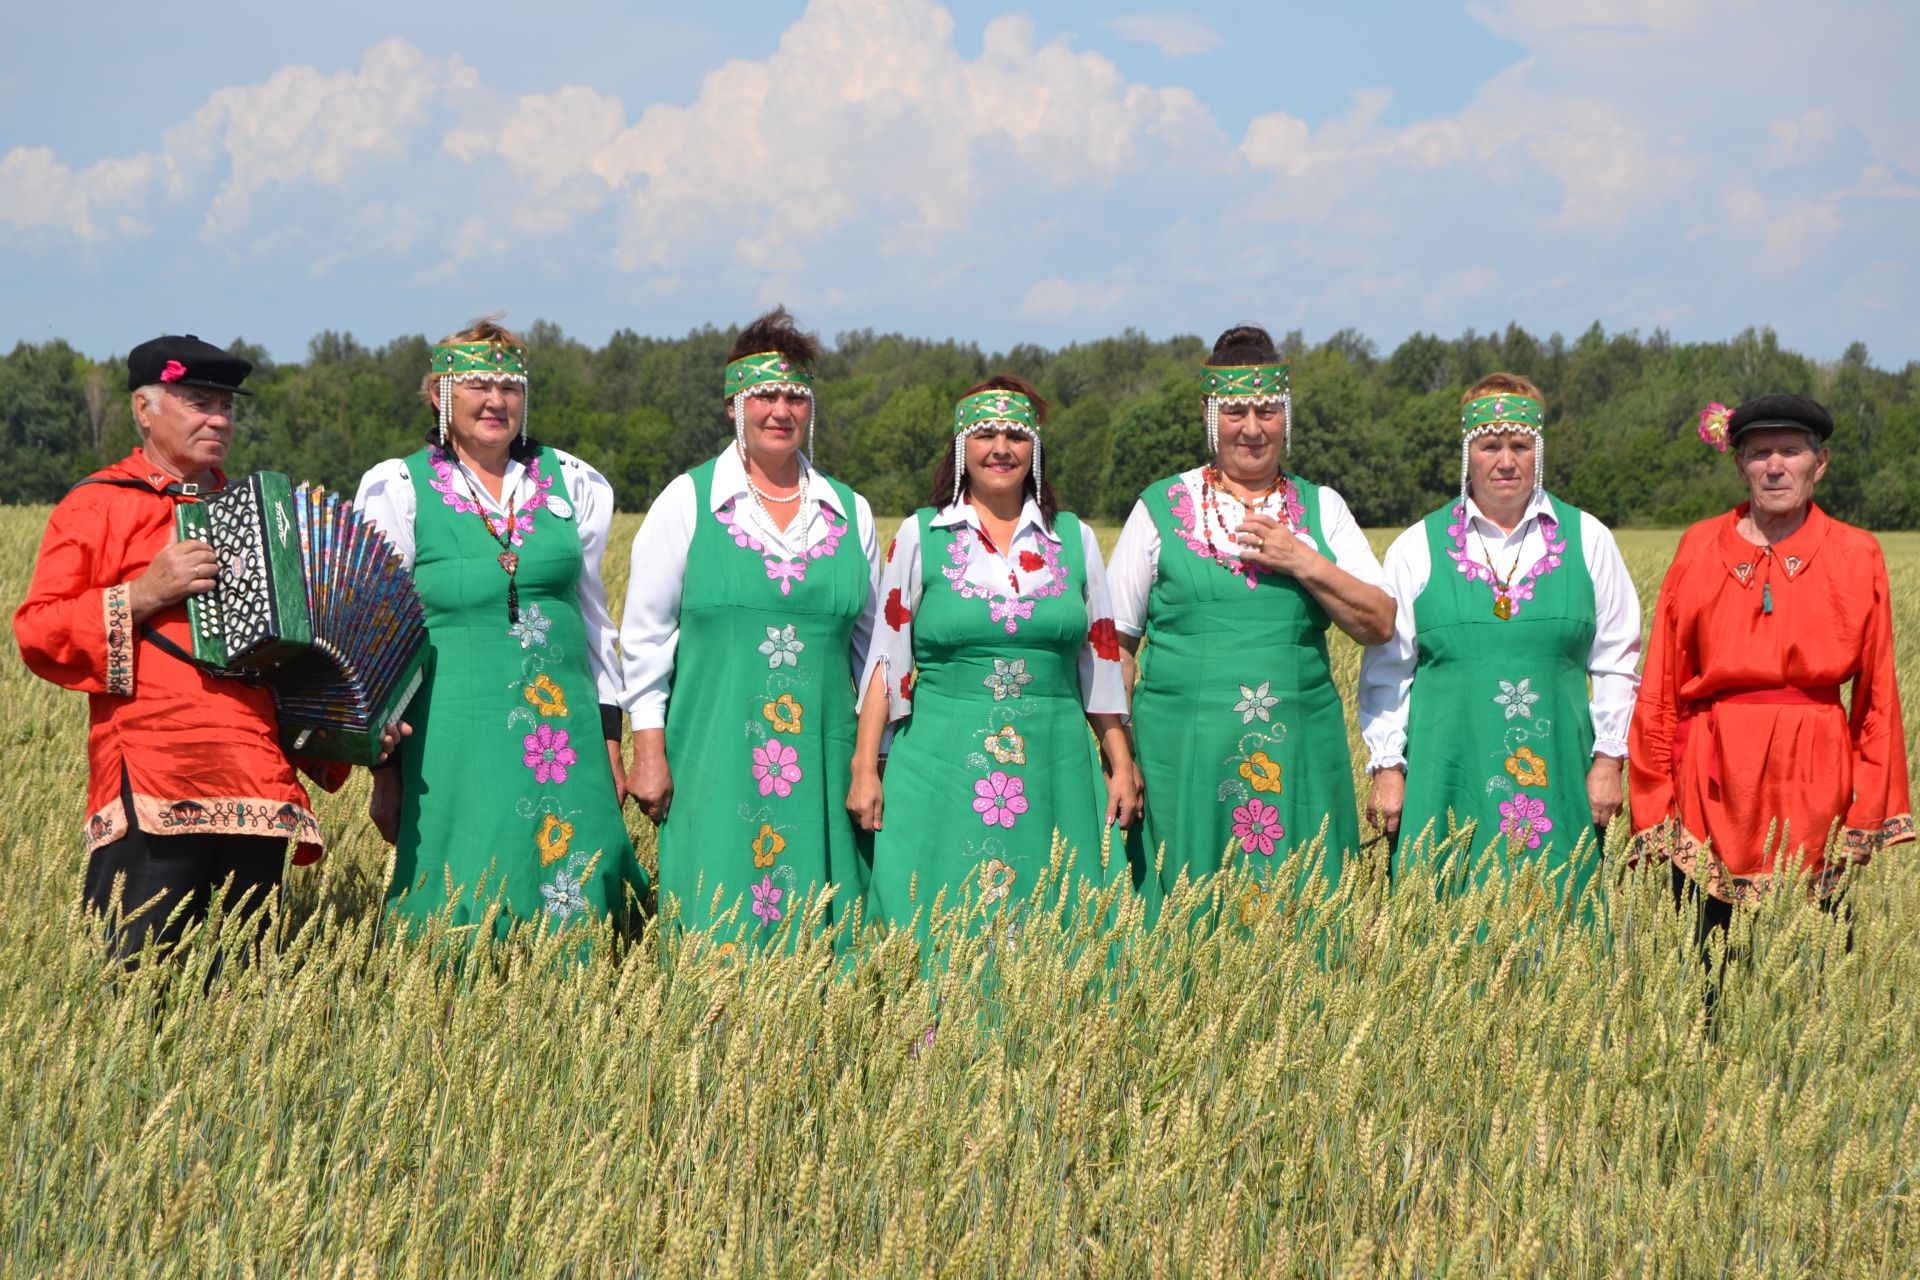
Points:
[(977, 170)]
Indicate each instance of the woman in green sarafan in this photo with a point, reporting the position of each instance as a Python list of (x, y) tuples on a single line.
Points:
[(508, 792), (997, 654), (1477, 712), (1232, 572), (748, 613)]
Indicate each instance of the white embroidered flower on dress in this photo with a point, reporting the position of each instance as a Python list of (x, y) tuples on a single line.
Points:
[(1008, 678), (563, 896), (1518, 699), (780, 648), (1255, 702), (532, 628)]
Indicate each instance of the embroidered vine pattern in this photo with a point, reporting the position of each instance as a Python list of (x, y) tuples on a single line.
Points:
[(1193, 526), (779, 568), (1474, 570), (1003, 607)]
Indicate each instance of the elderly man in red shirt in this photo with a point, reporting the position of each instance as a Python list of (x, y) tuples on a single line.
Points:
[(187, 785)]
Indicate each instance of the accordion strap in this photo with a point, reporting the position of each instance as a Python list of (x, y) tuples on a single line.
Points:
[(178, 489), (173, 650)]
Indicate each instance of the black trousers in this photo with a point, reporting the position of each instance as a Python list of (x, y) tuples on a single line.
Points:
[(172, 870)]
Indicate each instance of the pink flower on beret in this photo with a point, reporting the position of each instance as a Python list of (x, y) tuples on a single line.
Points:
[(173, 372)]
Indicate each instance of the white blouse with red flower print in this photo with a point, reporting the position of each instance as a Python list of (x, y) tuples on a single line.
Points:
[(1022, 570)]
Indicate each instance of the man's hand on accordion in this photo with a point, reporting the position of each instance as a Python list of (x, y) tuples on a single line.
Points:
[(182, 569)]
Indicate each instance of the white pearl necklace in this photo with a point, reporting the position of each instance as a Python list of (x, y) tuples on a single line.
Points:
[(761, 499)]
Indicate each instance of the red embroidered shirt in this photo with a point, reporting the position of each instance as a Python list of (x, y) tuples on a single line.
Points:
[(201, 753), (1740, 732)]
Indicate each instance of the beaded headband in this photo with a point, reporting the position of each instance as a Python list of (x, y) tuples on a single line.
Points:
[(1499, 412), (984, 410), (771, 370), (1245, 384), (464, 360), (1503, 409), (453, 362)]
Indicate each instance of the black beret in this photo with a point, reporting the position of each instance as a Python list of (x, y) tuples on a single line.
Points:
[(185, 361), (1780, 410)]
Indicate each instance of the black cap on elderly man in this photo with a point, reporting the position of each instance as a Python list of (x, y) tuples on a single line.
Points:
[(182, 360), (1781, 410)]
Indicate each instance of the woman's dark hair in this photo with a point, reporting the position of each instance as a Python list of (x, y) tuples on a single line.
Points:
[(776, 331), (1244, 344), (485, 329), (940, 492)]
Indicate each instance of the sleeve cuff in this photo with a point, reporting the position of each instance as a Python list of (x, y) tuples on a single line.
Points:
[(1386, 760), (1614, 747), (117, 605)]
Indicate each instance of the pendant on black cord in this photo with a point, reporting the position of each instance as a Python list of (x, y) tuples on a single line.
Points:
[(1502, 608)]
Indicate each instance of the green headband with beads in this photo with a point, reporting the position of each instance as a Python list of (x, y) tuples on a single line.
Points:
[(1501, 409), (1244, 381), (479, 360), (1008, 408), (766, 368)]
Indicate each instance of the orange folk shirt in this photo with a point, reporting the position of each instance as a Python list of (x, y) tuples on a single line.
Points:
[(1741, 756), (202, 754)]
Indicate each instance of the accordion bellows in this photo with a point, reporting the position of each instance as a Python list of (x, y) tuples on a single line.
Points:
[(311, 600)]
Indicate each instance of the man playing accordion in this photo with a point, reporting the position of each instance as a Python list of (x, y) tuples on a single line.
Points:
[(187, 785)]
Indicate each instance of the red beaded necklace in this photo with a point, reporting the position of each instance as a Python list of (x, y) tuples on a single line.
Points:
[(1210, 513)]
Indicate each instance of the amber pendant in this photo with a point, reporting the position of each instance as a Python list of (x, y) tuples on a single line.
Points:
[(1502, 608), (510, 561)]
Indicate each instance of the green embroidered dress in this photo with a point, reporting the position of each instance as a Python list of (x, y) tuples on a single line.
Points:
[(760, 722), (1239, 731), (506, 789), (996, 754), (1499, 730)]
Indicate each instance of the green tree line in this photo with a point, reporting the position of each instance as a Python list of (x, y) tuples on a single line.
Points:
[(1383, 429)]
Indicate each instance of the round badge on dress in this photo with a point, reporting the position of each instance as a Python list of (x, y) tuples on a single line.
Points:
[(560, 507)]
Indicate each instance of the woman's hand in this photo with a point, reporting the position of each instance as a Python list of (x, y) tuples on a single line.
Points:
[(865, 800), (1123, 795), (390, 738), (1266, 542), (1386, 798), (1603, 790), (619, 771), (649, 780), (384, 807)]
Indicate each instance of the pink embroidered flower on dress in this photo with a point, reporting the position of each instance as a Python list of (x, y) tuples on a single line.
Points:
[(775, 768), (548, 754), (998, 799), (766, 900), (1257, 826), (173, 372), (1525, 816)]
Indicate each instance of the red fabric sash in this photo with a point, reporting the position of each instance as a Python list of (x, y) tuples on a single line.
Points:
[(1826, 695)]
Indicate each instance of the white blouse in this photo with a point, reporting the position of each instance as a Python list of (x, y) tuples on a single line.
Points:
[(387, 500), (1136, 557), (1386, 670), (1011, 576), (650, 624)]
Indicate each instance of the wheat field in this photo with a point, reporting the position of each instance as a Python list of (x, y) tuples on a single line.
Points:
[(1098, 1100)]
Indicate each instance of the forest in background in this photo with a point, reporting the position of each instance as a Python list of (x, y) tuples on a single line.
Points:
[(1621, 439)]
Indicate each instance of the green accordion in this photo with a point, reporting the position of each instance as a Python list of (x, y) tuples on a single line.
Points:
[(311, 601)]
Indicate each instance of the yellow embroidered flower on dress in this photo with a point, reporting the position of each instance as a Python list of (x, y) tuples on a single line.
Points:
[(1255, 905), (767, 846), (546, 697), (1262, 773), (553, 838), (996, 880), (783, 713), (1528, 769), (1007, 746)]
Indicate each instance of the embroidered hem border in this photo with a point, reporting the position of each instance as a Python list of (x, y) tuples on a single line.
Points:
[(117, 607), (1670, 841), (228, 816)]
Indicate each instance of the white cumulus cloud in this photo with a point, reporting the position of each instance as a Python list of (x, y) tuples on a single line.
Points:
[(1178, 35)]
